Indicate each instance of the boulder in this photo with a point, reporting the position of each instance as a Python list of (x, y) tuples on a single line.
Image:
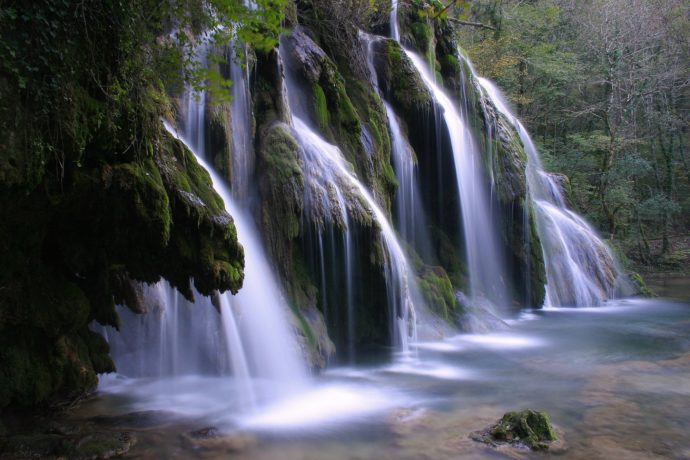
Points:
[(526, 428)]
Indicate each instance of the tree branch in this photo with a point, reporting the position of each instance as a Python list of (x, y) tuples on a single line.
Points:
[(445, 8), (473, 24)]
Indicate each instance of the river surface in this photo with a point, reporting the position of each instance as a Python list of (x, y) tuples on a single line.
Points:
[(615, 381)]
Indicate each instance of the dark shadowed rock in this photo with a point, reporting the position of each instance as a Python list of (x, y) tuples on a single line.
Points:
[(136, 420), (103, 445)]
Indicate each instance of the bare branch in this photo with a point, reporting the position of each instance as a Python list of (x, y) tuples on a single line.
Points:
[(473, 24)]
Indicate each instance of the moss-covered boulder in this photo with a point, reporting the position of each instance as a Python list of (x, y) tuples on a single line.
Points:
[(526, 428)]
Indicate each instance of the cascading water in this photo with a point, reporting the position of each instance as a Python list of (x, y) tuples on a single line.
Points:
[(164, 341), (333, 193), (260, 307), (395, 30), (408, 206), (580, 268), (321, 156), (484, 257), (242, 152), (251, 338)]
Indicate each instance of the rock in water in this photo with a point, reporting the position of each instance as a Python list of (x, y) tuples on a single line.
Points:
[(103, 445), (526, 428)]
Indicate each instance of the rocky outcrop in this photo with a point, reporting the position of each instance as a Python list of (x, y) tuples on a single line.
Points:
[(141, 219), (527, 428)]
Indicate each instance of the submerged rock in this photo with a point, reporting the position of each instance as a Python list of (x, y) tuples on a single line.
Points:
[(527, 428), (135, 420), (103, 445), (95, 445), (215, 443), (205, 433)]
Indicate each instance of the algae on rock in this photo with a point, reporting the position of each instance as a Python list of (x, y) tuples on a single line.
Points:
[(527, 428)]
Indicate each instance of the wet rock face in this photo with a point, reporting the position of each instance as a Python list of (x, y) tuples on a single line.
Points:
[(526, 428)]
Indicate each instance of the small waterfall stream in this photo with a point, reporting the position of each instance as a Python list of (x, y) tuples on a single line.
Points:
[(324, 156), (580, 268), (333, 190), (484, 255), (241, 122), (409, 211), (485, 262)]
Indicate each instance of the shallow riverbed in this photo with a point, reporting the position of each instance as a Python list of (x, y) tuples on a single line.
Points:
[(615, 381)]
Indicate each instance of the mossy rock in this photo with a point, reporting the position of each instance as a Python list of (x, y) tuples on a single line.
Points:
[(281, 183), (438, 292), (526, 428), (399, 80), (101, 445), (416, 28), (142, 219), (640, 285)]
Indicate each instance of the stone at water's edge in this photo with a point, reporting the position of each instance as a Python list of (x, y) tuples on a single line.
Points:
[(217, 444), (527, 428)]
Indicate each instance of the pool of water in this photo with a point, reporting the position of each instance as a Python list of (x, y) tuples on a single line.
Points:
[(615, 381), (669, 285)]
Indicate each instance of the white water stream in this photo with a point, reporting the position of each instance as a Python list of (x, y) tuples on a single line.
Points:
[(580, 268), (484, 255)]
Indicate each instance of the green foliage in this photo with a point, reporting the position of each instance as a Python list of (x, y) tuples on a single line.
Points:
[(61, 89)]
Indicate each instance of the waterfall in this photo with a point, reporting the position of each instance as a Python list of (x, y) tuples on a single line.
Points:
[(580, 268), (322, 156), (409, 210), (395, 31), (164, 341), (242, 152), (484, 256), (260, 306), (334, 194), (250, 336)]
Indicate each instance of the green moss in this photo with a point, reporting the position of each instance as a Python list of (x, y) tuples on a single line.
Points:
[(450, 62), (321, 107), (641, 285), (281, 184), (218, 136), (527, 427), (438, 292), (402, 82), (141, 219), (416, 27), (422, 33)]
